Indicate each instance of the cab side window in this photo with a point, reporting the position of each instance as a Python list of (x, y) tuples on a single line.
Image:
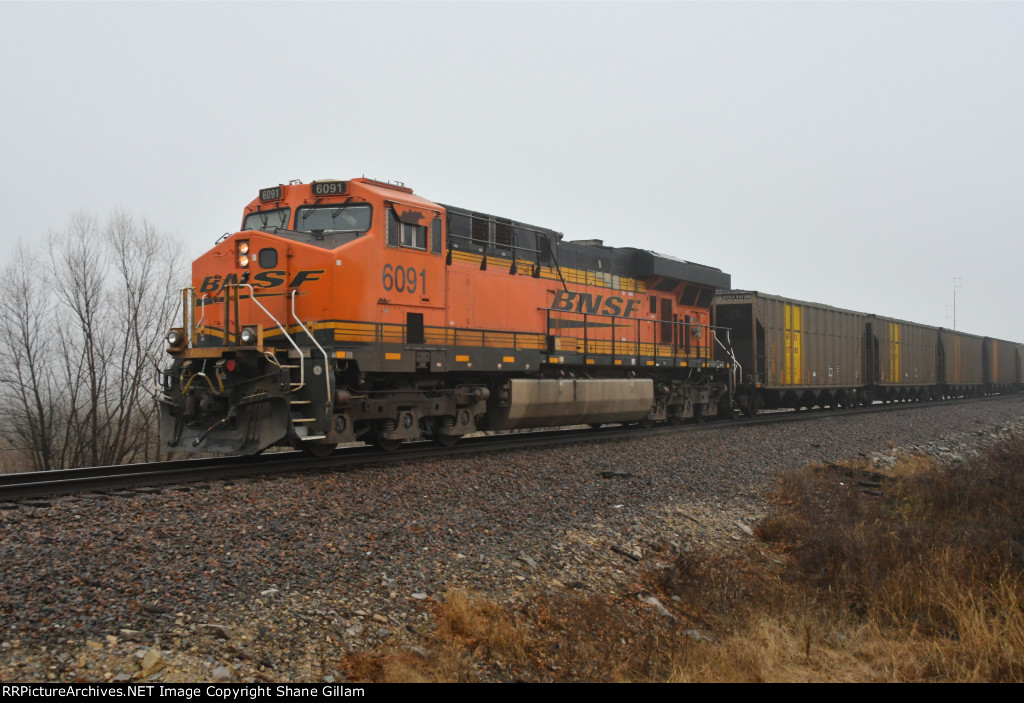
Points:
[(413, 236), (394, 228), (435, 236)]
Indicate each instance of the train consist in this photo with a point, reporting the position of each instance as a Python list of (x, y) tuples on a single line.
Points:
[(357, 310), (797, 354)]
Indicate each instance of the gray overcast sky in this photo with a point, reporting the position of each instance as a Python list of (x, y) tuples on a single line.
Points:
[(860, 154)]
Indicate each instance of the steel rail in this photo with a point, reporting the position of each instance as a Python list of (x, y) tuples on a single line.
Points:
[(46, 484)]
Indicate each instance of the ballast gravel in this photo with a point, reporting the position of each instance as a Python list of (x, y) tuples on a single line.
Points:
[(273, 580)]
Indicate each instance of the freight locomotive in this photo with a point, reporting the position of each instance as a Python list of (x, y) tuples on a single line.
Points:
[(349, 310)]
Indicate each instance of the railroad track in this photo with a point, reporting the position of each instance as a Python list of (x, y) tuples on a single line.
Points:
[(133, 477)]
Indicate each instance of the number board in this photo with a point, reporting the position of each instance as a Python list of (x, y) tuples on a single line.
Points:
[(328, 188), (270, 193)]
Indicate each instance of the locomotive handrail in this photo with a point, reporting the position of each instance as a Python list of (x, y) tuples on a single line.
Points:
[(196, 323), (183, 306), (157, 374), (189, 323), (492, 245), (302, 367), (638, 345), (514, 248), (327, 363), (452, 210)]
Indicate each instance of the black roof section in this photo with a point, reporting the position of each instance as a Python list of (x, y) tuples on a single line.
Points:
[(651, 263), (585, 254)]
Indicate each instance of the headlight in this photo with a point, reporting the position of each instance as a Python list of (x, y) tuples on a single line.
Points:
[(250, 335), (243, 253), (175, 338)]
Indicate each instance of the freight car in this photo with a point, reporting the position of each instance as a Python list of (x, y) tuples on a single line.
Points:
[(358, 310), (793, 353), (796, 354), (1002, 365)]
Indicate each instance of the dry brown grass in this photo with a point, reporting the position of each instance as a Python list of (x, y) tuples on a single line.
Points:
[(916, 576)]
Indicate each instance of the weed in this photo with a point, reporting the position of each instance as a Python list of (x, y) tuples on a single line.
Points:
[(916, 576)]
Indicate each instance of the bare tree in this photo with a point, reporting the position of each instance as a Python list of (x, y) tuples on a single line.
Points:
[(76, 335), (29, 408), (147, 276)]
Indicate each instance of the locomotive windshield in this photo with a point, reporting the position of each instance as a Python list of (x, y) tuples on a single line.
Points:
[(268, 220), (334, 218)]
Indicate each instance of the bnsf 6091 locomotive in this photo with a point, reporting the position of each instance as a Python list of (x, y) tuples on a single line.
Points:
[(357, 310)]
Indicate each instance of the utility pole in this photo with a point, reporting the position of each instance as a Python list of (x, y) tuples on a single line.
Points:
[(956, 285)]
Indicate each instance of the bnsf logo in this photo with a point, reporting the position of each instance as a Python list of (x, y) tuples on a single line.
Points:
[(591, 304), (263, 279)]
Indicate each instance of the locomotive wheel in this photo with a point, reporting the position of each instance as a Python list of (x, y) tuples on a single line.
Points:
[(446, 440), (387, 445), (318, 450)]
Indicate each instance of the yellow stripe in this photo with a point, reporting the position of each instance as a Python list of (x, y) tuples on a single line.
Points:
[(462, 357), (792, 370), (577, 276), (798, 364), (508, 359), (895, 374), (392, 356), (787, 356)]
